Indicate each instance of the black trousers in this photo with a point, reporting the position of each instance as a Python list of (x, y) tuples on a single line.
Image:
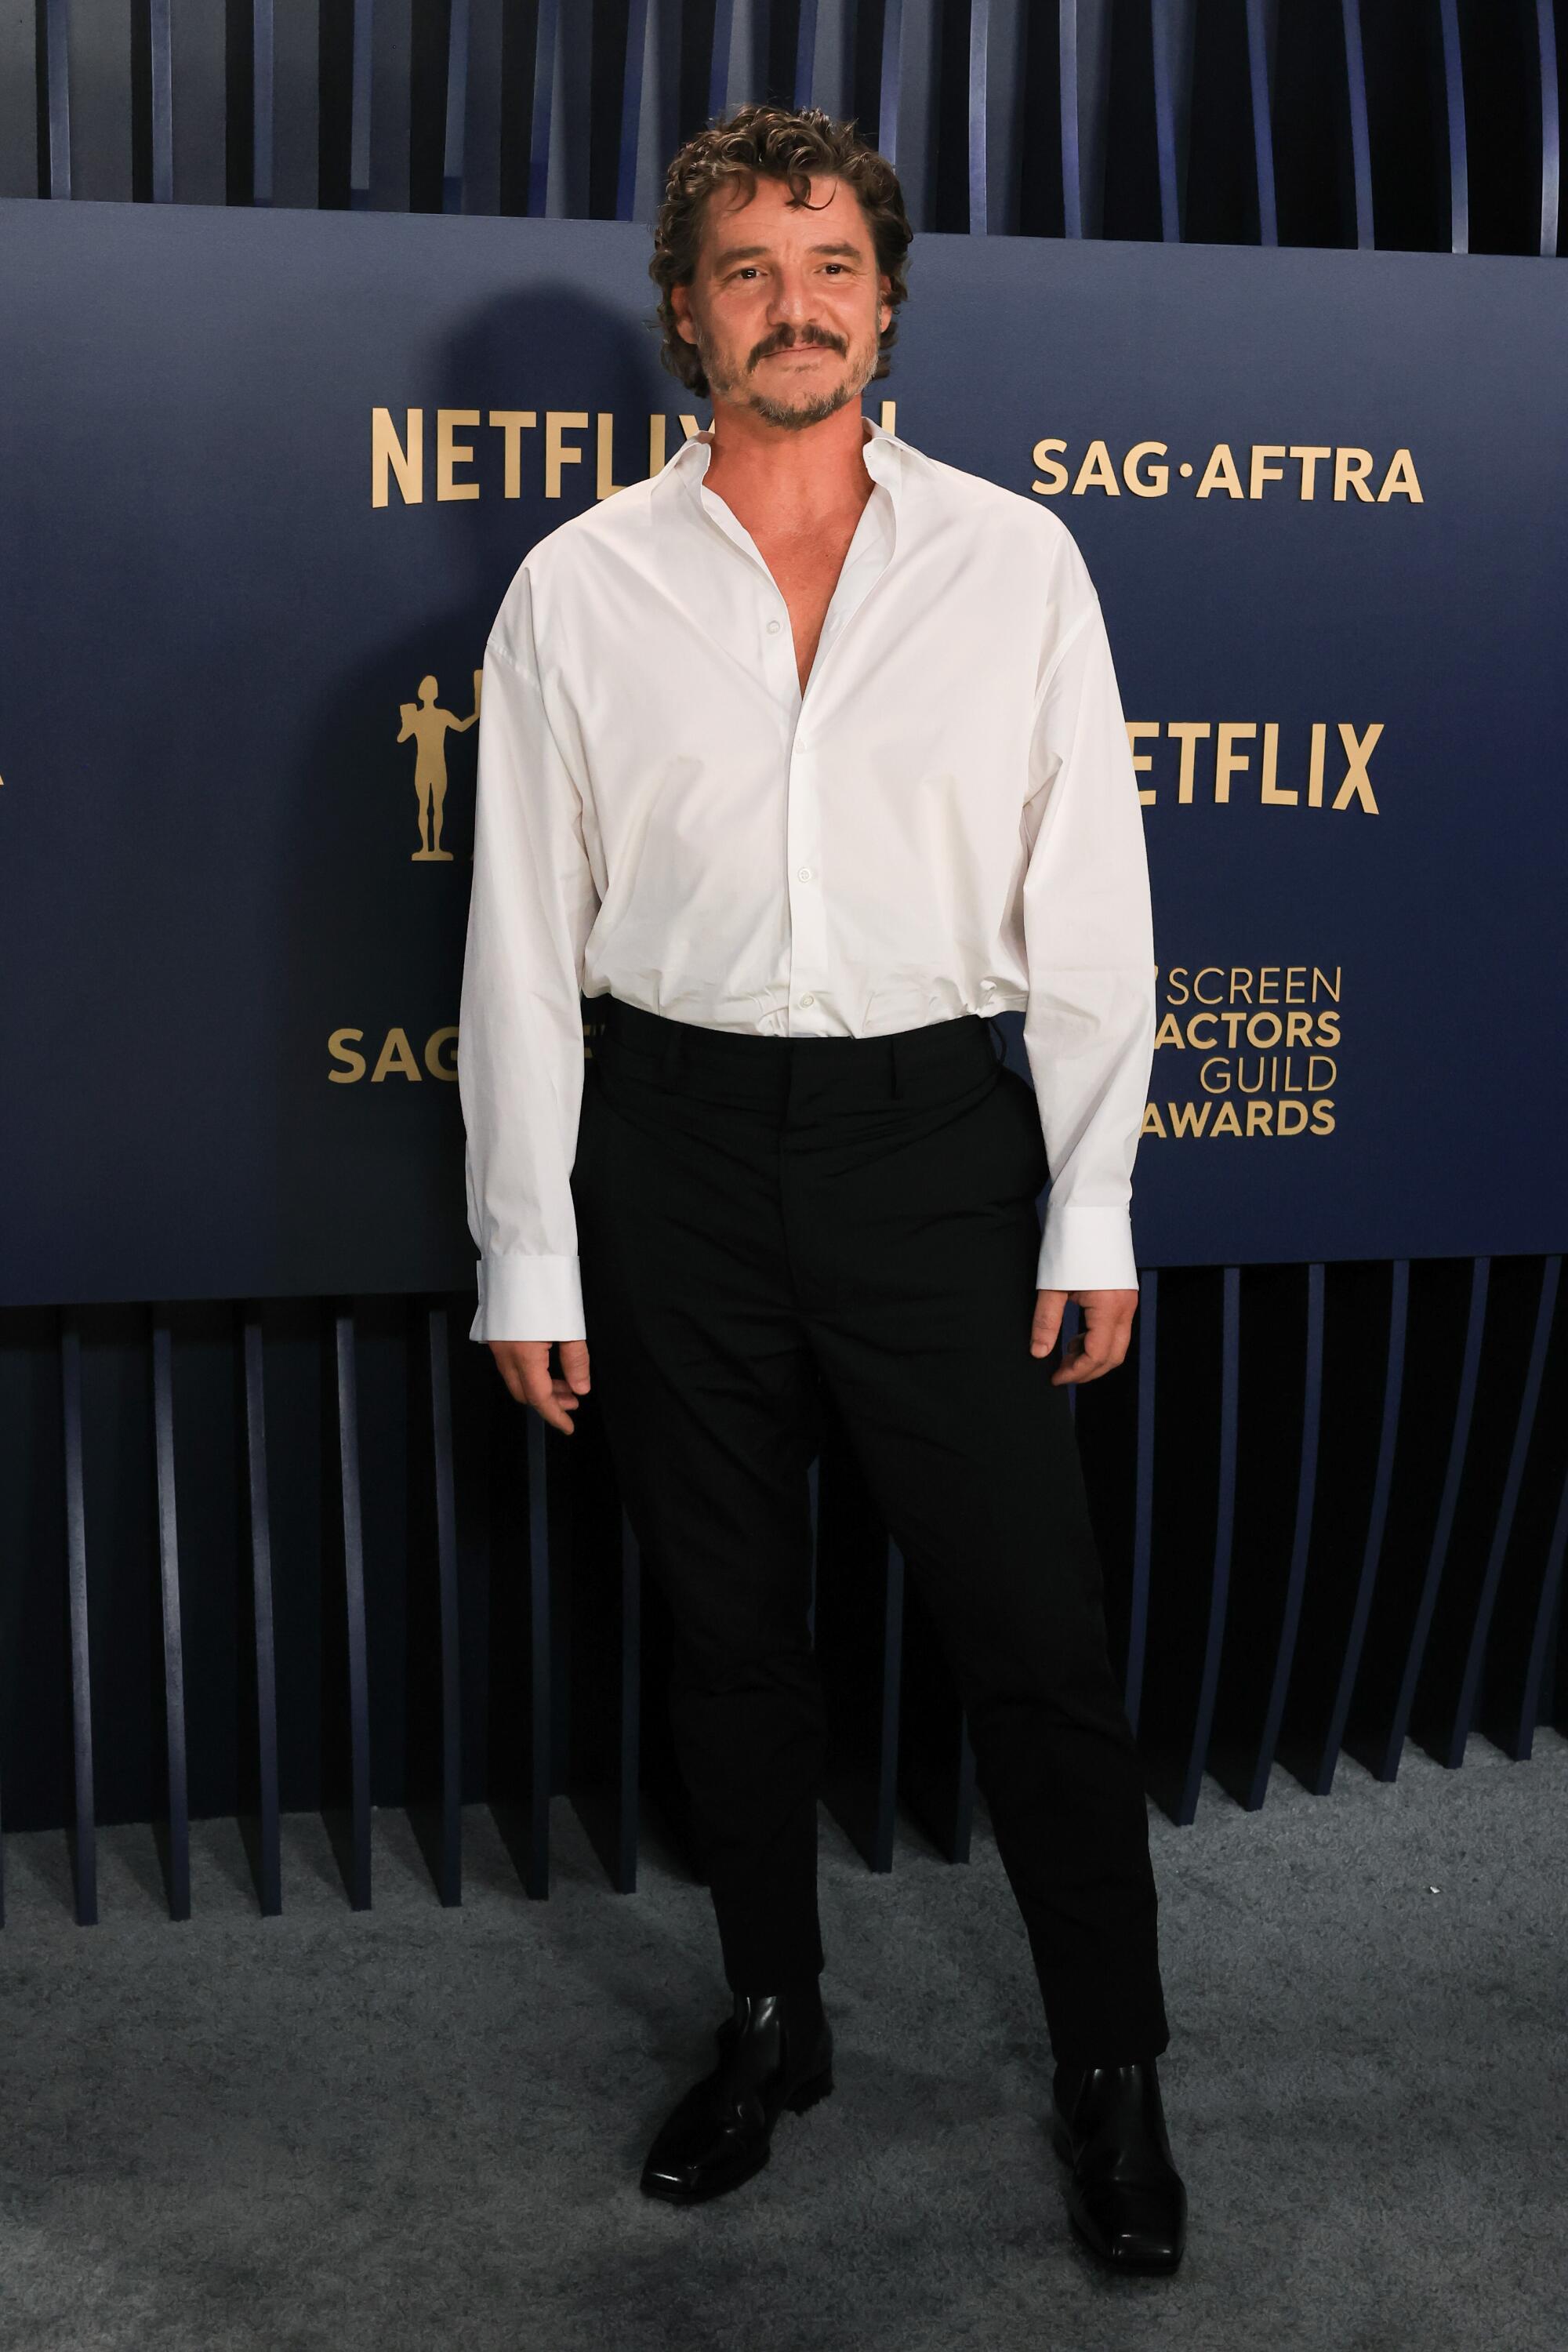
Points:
[(762, 1218)]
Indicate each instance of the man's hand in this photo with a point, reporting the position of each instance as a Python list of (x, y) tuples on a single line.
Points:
[(524, 1366), (1103, 1341)]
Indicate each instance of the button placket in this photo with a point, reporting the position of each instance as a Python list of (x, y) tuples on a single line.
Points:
[(808, 936)]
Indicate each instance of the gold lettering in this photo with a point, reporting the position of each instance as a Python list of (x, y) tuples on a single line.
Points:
[(1187, 733), (397, 1054), (1141, 760), (1055, 473), (434, 1062), (1220, 473), (389, 456), (1315, 764), (1357, 784), (1227, 762), (557, 453), (341, 1047), (1309, 453), (607, 485), (1097, 472), (1352, 468), (1269, 794), (1400, 481), (1154, 483), (513, 423), (450, 453), (1261, 470)]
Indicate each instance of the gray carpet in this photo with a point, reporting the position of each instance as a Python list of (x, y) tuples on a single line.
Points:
[(414, 2128)]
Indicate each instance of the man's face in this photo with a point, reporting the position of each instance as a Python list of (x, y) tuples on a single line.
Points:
[(785, 307)]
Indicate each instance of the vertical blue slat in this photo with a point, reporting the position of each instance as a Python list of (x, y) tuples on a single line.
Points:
[(804, 82), (1219, 1585), (57, 70), (1454, 107), (1164, 123), (353, 1593), (979, 60), (1377, 1519), (546, 41), (1300, 1546), (1171, 31), (262, 101), (359, 115), (270, 1859), (719, 57), (1464, 1712), (1083, 46), (1361, 144), (631, 109), (160, 79), (1385, 1764), (1551, 120), (1262, 17), (451, 1882), (84, 1855), (889, 85), (1143, 1493), (1066, 99), (173, 1644), (452, 152), (536, 1877)]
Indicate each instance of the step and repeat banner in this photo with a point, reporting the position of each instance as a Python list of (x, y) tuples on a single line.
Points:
[(264, 478)]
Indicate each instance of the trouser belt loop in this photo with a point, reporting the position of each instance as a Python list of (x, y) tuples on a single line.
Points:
[(998, 1042), (669, 1065), (893, 1067)]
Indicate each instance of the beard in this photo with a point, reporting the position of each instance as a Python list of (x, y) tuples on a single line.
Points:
[(735, 383)]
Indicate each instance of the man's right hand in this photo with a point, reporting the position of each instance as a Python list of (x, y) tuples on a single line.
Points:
[(524, 1366)]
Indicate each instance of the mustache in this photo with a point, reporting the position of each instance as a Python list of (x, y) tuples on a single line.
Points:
[(796, 342)]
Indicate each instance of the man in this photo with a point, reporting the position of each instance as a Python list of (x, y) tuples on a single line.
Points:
[(802, 760)]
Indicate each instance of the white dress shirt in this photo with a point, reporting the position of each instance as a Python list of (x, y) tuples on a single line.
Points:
[(946, 822)]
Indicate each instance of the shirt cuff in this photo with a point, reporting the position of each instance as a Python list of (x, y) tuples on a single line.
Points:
[(1086, 1249), (530, 1299)]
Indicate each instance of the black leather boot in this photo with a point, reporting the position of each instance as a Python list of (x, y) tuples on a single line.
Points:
[(1126, 2200), (775, 2052)]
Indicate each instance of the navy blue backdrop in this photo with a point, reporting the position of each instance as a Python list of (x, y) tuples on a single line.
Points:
[(254, 493)]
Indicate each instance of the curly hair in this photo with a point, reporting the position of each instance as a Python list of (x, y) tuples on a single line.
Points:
[(773, 142)]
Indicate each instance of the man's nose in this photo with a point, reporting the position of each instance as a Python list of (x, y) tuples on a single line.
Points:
[(792, 303)]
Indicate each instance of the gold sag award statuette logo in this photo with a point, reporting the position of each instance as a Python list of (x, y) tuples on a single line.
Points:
[(429, 726)]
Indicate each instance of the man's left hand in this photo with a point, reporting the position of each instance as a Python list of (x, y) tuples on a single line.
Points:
[(1103, 1343)]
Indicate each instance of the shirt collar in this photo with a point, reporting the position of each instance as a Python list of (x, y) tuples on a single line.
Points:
[(882, 451)]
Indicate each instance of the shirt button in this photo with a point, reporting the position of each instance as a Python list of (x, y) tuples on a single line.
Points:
[(808, 1000), (799, 743), (773, 628), (805, 873)]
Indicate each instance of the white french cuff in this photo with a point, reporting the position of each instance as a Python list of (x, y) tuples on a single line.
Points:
[(530, 1299), (1086, 1249)]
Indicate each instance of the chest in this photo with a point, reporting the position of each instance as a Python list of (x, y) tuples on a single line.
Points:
[(807, 571)]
